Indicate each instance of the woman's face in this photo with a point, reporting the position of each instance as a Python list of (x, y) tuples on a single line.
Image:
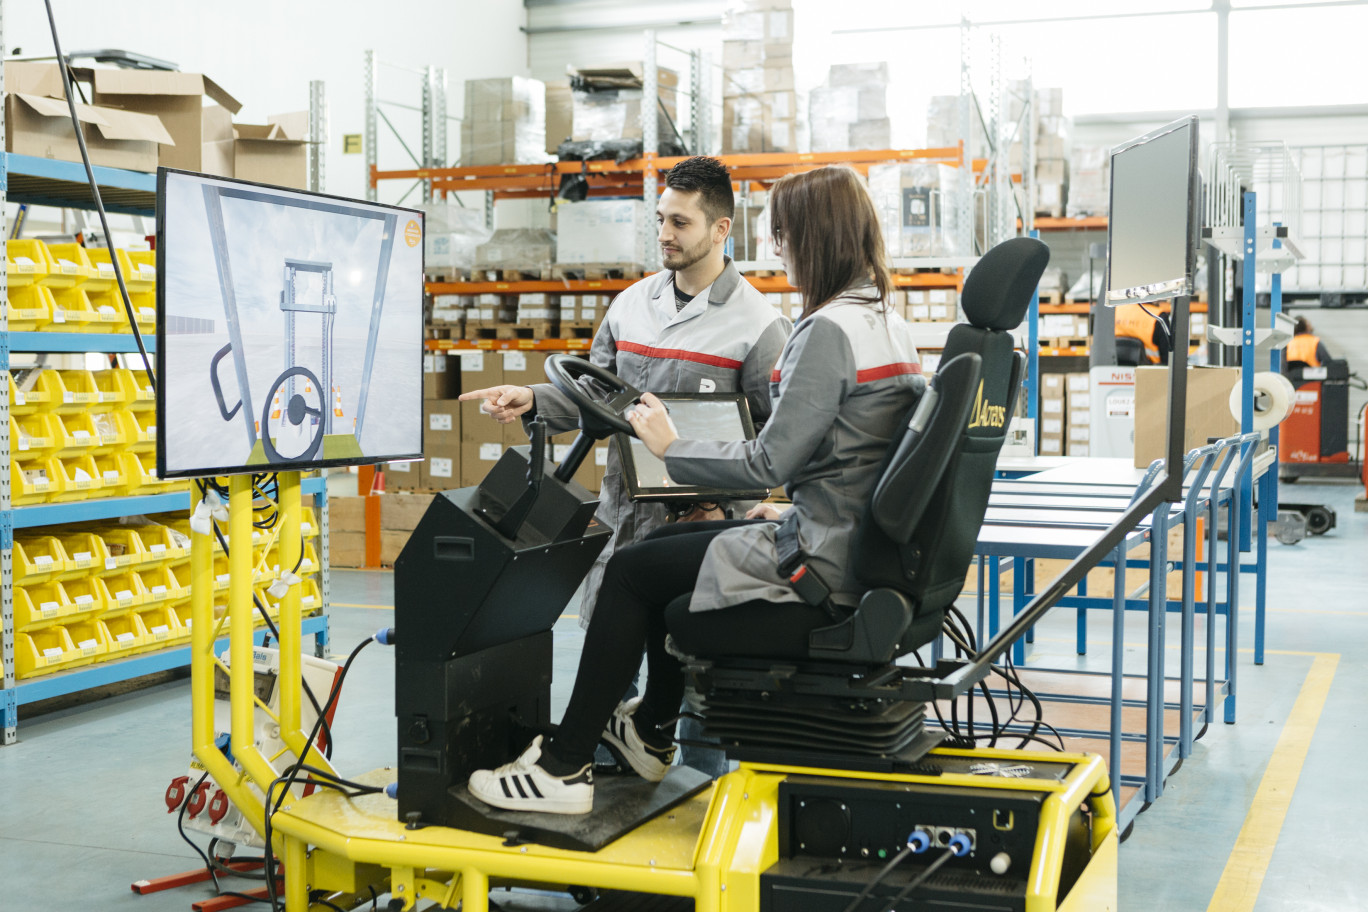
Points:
[(782, 250)]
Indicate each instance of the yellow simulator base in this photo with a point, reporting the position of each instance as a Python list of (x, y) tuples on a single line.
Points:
[(727, 846), (1040, 827)]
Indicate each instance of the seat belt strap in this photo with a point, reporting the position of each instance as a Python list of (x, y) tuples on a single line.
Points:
[(805, 581)]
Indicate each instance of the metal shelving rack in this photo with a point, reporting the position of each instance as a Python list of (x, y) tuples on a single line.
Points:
[(63, 184)]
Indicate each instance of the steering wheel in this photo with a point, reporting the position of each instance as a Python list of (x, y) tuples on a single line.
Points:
[(296, 412), (599, 416)]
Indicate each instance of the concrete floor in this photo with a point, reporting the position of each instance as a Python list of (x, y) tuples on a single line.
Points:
[(81, 812)]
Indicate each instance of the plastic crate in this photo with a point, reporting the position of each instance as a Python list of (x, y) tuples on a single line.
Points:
[(308, 523), (27, 262), (125, 545), (88, 594), (310, 597), (75, 477), (91, 638), (131, 386), (141, 430), (43, 652), (37, 558), (31, 308), (127, 591), (31, 482), (73, 435), (163, 627), (140, 473), (112, 428), (86, 554), (41, 605), (162, 585), (27, 401), (164, 544), (114, 483), (32, 436), (108, 314), (126, 633), (63, 274), (78, 392), (102, 288)]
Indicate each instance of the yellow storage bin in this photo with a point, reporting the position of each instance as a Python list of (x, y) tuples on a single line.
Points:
[(73, 259), (125, 632), (88, 594), (187, 620), (142, 271), (309, 563), (91, 638), (140, 429), (308, 523), (43, 652), (37, 558), (112, 428), (31, 482), (140, 472), (182, 527), (102, 288), (310, 597), (130, 387), (26, 395), (75, 478), (73, 312), (162, 585), (125, 545), (43, 387), (33, 436), (86, 554), (164, 543), (64, 274), (73, 435), (163, 627), (41, 605), (113, 481), (126, 592), (27, 262), (79, 392), (31, 307)]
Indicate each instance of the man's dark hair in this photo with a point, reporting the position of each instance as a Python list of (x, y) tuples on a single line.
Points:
[(710, 179)]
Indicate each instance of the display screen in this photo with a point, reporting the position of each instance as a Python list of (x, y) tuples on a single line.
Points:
[(717, 416), (1151, 226), (289, 328)]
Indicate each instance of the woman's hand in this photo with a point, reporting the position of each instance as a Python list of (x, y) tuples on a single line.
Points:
[(763, 511), (651, 422)]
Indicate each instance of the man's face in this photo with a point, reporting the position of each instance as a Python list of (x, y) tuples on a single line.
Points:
[(685, 234)]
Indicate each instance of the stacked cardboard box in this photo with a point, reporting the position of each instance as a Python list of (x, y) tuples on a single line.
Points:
[(606, 102), (346, 531), (1089, 181), (1078, 414), (451, 235), (943, 127), (520, 249), (850, 110), (560, 115), (601, 231), (1052, 142), (759, 104), (908, 199), (1053, 429), (481, 436), (932, 305), (505, 121)]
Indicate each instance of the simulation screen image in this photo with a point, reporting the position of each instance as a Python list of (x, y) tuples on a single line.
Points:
[(289, 329), (1150, 222), (694, 419)]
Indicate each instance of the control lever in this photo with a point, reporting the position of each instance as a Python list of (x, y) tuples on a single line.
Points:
[(512, 521)]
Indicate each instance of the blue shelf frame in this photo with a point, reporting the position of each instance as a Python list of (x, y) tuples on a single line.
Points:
[(105, 343), (102, 673), (48, 182), (113, 507)]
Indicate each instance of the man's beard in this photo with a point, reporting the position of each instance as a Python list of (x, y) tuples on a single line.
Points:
[(688, 256)]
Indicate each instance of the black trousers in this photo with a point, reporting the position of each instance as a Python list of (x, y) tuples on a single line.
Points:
[(639, 584)]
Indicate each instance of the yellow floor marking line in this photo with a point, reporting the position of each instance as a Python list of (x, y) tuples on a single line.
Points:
[(1244, 872)]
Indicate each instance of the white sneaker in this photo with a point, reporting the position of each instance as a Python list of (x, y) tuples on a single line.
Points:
[(650, 763), (524, 786)]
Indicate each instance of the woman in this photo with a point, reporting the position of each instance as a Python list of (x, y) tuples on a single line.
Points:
[(841, 388)]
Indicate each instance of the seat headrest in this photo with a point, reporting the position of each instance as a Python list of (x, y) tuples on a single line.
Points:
[(998, 288)]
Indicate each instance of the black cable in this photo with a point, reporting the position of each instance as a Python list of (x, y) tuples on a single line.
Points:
[(64, 66), (917, 881), (180, 827), (879, 878)]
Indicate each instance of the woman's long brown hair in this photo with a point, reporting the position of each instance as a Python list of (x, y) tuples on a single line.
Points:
[(826, 221)]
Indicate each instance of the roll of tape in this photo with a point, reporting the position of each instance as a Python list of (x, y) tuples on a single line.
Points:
[(1273, 399)]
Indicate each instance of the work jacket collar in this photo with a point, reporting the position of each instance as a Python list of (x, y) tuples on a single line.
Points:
[(716, 294)]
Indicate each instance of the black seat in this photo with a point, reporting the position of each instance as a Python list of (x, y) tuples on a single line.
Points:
[(845, 702), (1130, 352)]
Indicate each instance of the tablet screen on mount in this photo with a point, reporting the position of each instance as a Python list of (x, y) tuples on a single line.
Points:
[(696, 416)]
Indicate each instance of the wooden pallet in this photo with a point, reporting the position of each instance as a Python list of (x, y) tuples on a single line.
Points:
[(1062, 342), (522, 274), (577, 329), (501, 331), (1053, 297), (597, 271)]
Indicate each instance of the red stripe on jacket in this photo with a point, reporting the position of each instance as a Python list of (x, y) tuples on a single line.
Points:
[(874, 373), (679, 354)]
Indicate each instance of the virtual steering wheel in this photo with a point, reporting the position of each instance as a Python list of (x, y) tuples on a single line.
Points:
[(599, 416)]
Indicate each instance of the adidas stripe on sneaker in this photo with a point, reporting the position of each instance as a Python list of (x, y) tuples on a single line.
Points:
[(622, 739), (524, 786)]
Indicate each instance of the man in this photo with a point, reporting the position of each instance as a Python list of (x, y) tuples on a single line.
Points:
[(1305, 347), (695, 326)]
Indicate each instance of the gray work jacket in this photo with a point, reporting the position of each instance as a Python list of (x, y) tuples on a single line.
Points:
[(725, 340), (843, 385)]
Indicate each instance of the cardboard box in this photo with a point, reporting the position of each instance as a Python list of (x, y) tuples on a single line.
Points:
[(479, 370), (441, 378), (560, 115), (521, 369), (441, 424), (1051, 446), (1208, 409), (392, 541), (405, 476), (347, 549), (276, 152), (442, 472), (477, 458), (589, 474), (178, 99), (346, 514), (599, 231)]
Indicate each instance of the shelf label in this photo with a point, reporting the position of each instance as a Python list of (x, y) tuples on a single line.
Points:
[(161, 631), (20, 398), (306, 528), (222, 579), (43, 560), (157, 548), (23, 444), (49, 608), (82, 557), (123, 595), (59, 316), (111, 475), (81, 435), (85, 599), (159, 590), (125, 639), (111, 563), (88, 647), (68, 398), (52, 653)]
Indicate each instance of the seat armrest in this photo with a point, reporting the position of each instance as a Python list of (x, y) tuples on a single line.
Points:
[(870, 635)]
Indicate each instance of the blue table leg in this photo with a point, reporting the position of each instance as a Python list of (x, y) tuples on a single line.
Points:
[(1081, 634), (982, 599), (994, 594), (1158, 603), (1118, 662), (1189, 610), (1018, 602)]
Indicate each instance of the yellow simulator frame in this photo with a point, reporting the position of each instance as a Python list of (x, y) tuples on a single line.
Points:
[(731, 847)]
